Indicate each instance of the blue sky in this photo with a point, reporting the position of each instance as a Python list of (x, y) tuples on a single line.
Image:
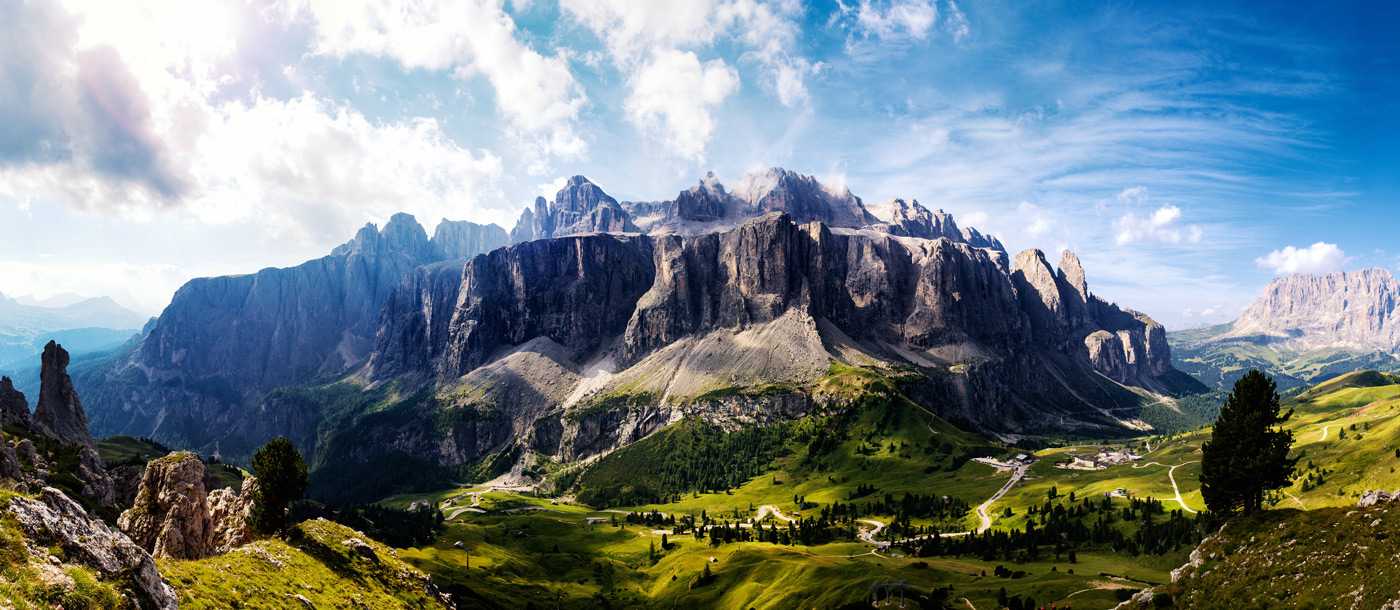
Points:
[(1187, 151)]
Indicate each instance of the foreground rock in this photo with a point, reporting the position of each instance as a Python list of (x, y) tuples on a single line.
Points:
[(172, 516), (55, 519)]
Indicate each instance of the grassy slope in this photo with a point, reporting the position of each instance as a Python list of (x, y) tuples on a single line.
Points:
[(1328, 558), (315, 565)]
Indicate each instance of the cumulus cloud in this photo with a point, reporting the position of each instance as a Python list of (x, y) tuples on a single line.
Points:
[(1040, 221), (640, 34), (1318, 258), (1162, 226), (672, 97), (537, 94)]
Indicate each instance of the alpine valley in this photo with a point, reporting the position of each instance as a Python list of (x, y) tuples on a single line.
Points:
[(765, 396)]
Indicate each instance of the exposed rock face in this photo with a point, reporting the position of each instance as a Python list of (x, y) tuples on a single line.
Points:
[(579, 207), (14, 409), (171, 515), (224, 342), (1347, 309), (461, 239), (909, 219), (576, 291), (59, 413), (56, 519), (231, 516)]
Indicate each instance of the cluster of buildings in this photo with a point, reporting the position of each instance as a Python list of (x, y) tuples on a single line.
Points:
[(1103, 459)]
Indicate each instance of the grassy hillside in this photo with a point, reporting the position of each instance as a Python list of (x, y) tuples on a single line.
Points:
[(315, 564), (1328, 558)]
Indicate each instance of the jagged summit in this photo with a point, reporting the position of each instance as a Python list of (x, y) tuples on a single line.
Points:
[(579, 207), (59, 413)]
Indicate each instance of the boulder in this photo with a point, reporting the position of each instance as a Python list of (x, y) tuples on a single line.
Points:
[(1373, 497), (56, 519)]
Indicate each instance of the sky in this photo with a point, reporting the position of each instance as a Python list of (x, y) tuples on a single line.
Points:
[(1188, 152)]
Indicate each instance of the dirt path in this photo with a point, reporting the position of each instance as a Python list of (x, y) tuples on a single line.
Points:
[(1324, 432), (769, 508), (1171, 474), (982, 508), (1295, 499)]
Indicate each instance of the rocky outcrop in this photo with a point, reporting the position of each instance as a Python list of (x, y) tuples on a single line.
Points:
[(231, 516), (59, 413), (1373, 497), (580, 207), (173, 515), (1348, 309), (909, 219), (54, 519), (14, 409)]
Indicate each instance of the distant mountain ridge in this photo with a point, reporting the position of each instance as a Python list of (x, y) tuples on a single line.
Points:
[(604, 321), (83, 324), (1303, 329)]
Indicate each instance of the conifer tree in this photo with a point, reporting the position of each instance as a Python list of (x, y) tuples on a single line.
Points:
[(1248, 451)]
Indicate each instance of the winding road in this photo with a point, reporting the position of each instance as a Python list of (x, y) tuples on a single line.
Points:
[(982, 508), (1171, 474)]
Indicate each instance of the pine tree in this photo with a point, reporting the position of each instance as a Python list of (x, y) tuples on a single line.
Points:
[(1248, 453), (282, 478)]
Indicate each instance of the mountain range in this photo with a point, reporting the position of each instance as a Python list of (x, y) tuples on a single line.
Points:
[(595, 323), (85, 325), (1304, 329)]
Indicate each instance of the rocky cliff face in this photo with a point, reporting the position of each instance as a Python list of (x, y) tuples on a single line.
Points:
[(14, 409), (175, 517), (666, 315), (59, 413), (804, 198), (461, 239), (579, 207), (1347, 309), (223, 342)]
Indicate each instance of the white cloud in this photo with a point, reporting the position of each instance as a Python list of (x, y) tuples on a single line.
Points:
[(973, 219), (893, 19), (672, 96), (1318, 258), (641, 34), (1162, 226), (1136, 194), (956, 22), (1040, 222), (537, 94), (311, 171)]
